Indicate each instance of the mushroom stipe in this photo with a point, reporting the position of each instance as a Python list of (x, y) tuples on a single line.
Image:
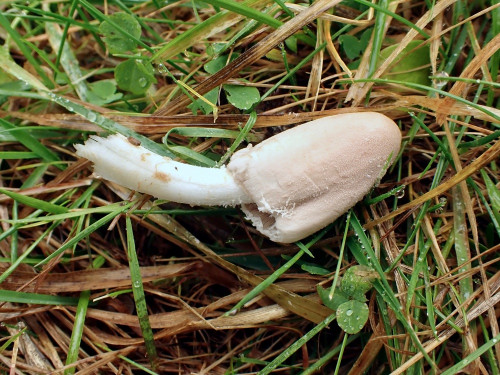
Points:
[(289, 186)]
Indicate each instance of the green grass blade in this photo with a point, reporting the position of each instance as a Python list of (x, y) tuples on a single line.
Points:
[(462, 250), (297, 345), (30, 142), (35, 203), (364, 254), (207, 28), (139, 297), (248, 12), (77, 332), (495, 115), (18, 39), (379, 34), (397, 17), (242, 135), (86, 232), (17, 155), (67, 59), (108, 124), (493, 191), (35, 298), (316, 367), (79, 325), (268, 281), (472, 357)]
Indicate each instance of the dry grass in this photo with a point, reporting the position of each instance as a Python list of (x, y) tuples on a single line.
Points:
[(70, 302)]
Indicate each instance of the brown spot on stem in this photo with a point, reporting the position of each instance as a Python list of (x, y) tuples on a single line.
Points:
[(161, 176), (133, 141)]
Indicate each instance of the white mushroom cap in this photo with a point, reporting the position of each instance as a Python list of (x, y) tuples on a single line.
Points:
[(304, 178)]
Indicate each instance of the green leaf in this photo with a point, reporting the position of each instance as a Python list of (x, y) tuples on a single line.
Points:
[(337, 299), (352, 46), (103, 92), (291, 43), (211, 96), (412, 64), (218, 63), (352, 316), (134, 76), (242, 97), (357, 281), (115, 40), (314, 269)]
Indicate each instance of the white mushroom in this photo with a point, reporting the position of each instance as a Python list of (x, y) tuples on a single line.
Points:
[(289, 186)]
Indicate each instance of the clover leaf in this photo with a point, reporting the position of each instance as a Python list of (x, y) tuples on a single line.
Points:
[(348, 299), (116, 40), (242, 97), (352, 46), (134, 76), (357, 281), (103, 92), (333, 302), (352, 316)]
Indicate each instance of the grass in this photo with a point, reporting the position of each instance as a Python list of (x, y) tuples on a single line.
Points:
[(96, 279)]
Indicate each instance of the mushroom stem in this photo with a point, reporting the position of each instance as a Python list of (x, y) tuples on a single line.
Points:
[(118, 160)]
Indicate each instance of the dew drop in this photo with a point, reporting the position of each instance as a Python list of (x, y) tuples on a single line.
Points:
[(440, 83), (142, 82), (137, 284), (162, 69), (349, 312), (400, 194), (91, 116)]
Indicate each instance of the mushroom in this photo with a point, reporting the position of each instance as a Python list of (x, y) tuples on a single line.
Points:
[(289, 186)]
